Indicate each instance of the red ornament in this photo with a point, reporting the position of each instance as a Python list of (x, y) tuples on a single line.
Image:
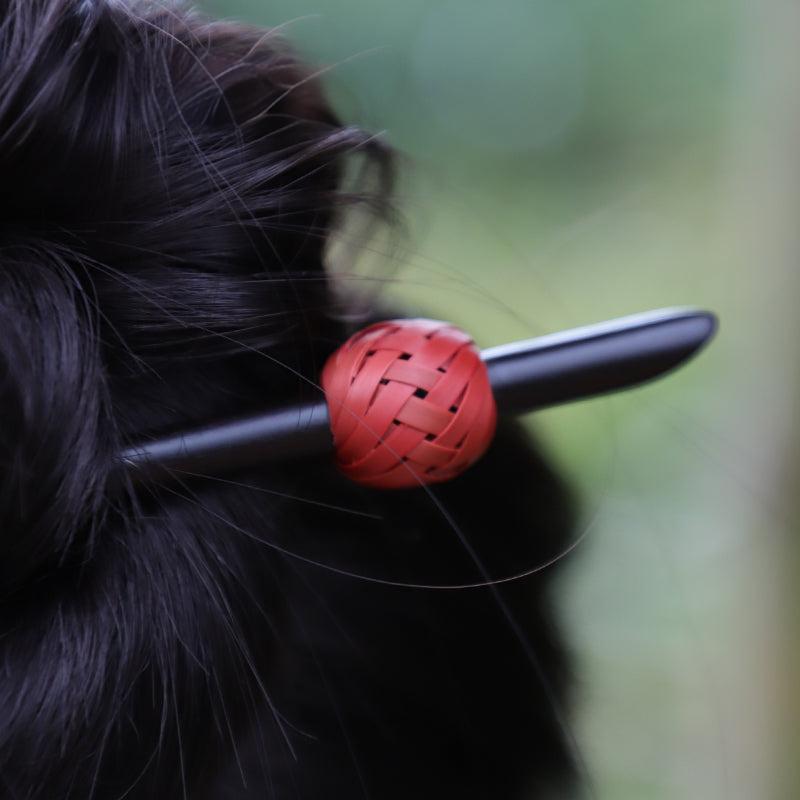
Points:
[(410, 403)]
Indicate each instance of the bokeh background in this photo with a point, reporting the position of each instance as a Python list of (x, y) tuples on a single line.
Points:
[(569, 161)]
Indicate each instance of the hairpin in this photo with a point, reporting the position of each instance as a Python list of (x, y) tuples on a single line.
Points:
[(411, 402)]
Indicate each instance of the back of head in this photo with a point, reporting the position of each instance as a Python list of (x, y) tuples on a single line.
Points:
[(168, 188)]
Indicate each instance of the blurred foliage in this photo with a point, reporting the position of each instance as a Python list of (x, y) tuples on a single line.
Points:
[(574, 160)]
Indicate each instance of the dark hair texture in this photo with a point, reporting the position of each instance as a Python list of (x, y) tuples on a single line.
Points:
[(169, 186)]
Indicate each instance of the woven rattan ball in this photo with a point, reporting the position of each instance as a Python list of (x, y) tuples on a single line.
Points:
[(409, 402)]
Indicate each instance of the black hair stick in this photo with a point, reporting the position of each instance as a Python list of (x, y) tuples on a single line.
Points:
[(525, 376)]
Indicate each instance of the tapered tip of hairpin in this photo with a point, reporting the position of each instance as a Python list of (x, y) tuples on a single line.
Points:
[(597, 359), (680, 334), (706, 327)]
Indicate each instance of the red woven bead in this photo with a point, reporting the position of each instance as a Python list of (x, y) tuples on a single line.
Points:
[(409, 402)]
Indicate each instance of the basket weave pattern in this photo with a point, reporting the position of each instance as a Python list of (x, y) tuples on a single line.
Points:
[(409, 402)]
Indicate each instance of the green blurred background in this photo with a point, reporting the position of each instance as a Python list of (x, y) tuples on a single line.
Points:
[(574, 160)]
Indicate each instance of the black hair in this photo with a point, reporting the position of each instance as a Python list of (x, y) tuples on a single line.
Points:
[(168, 188)]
